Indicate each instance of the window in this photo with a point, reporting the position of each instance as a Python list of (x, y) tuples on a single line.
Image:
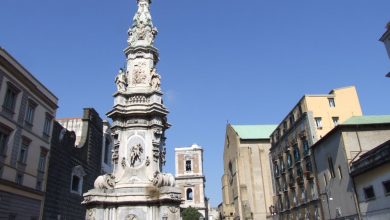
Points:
[(107, 149), (189, 194), (47, 125), (10, 97), (289, 160), (331, 167), (297, 155), (282, 166), (386, 186), (231, 168), (305, 144), (309, 167), (332, 104), (335, 121), (19, 179), (369, 193), (276, 169), (29, 118), (23, 151), (318, 122), (300, 110), (3, 142), (42, 160), (77, 179), (188, 165), (75, 183), (292, 120)]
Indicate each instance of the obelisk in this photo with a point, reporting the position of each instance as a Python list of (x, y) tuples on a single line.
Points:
[(137, 189)]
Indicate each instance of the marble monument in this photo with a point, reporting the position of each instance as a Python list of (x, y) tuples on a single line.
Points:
[(137, 189)]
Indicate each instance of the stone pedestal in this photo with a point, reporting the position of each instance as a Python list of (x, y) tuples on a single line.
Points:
[(133, 203)]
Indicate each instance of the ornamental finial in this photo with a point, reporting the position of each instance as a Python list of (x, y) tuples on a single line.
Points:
[(142, 32)]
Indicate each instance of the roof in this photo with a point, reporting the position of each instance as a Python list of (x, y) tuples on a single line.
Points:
[(356, 122), (371, 119), (372, 159), (254, 131)]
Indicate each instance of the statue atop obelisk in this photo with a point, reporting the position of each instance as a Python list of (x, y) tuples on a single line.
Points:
[(137, 188)]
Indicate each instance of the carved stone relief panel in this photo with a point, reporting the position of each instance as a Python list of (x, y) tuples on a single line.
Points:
[(136, 151), (139, 75)]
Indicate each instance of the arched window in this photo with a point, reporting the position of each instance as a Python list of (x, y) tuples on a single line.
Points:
[(77, 180), (189, 194)]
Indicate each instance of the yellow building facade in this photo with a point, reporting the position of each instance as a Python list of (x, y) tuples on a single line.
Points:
[(294, 184)]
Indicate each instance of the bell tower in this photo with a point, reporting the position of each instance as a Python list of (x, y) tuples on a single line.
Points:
[(137, 188)]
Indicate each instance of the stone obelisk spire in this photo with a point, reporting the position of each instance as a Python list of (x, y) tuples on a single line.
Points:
[(137, 189), (138, 115)]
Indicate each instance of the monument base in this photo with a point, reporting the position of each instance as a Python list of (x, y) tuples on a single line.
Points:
[(133, 203)]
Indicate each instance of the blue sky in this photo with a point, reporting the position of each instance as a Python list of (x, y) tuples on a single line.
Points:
[(246, 62)]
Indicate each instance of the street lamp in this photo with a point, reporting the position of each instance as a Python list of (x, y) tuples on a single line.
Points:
[(388, 75)]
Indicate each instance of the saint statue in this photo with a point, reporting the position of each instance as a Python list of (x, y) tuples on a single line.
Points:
[(155, 80), (121, 81)]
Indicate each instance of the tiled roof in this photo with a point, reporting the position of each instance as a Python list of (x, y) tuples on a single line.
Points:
[(254, 131), (370, 119)]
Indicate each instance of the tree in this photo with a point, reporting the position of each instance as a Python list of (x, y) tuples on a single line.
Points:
[(191, 214)]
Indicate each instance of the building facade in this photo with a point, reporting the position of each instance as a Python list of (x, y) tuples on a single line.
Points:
[(75, 163), (190, 178), (77, 125), (26, 117), (333, 156), (246, 182), (371, 176), (294, 183)]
